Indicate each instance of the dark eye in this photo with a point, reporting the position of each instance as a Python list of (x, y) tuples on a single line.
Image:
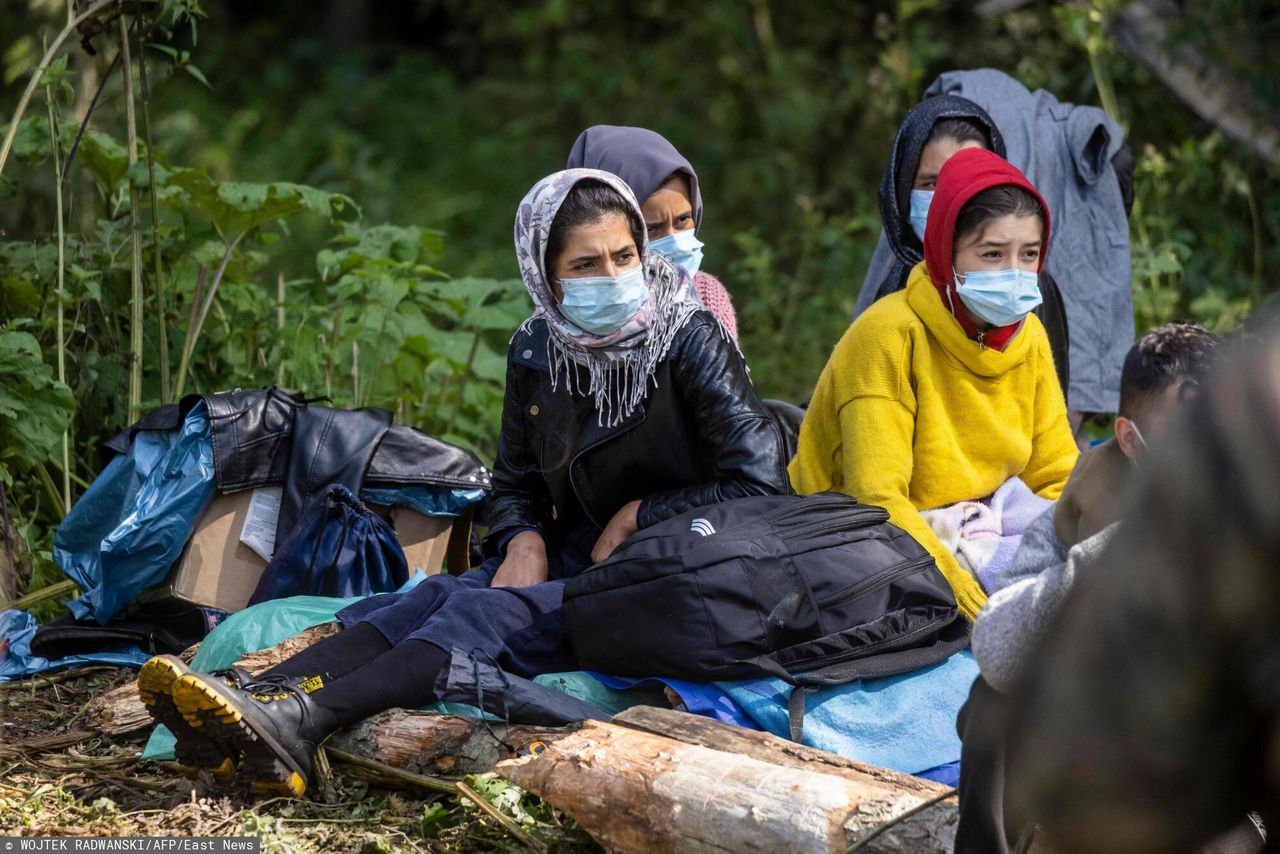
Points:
[(685, 219)]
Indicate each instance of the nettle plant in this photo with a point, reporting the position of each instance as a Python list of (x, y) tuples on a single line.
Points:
[(146, 280)]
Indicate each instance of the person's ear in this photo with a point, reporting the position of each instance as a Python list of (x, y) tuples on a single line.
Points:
[(1127, 437)]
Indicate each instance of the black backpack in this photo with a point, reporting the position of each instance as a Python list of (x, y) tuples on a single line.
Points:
[(816, 590)]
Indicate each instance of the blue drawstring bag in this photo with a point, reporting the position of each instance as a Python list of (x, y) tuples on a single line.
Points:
[(339, 548)]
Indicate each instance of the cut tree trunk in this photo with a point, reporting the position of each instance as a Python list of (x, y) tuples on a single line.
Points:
[(437, 745), (639, 791), (695, 729)]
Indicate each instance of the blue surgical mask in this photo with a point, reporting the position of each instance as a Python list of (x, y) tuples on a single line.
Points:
[(1000, 297), (920, 201), (602, 304), (682, 248)]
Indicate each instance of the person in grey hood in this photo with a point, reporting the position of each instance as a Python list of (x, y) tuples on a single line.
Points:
[(932, 131), (1077, 158), (670, 199)]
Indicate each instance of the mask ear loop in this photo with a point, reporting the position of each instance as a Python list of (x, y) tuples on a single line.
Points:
[(952, 286)]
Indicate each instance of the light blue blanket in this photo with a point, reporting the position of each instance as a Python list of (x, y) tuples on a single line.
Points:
[(907, 722)]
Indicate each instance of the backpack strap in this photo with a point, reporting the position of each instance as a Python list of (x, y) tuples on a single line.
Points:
[(884, 664), (795, 712)]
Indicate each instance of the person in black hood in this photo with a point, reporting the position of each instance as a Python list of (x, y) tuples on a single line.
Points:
[(932, 131)]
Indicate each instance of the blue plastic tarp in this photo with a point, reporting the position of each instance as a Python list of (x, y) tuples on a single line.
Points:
[(905, 722), (427, 500), (133, 521)]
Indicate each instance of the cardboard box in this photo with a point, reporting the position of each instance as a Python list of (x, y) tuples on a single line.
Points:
[(218, 570)]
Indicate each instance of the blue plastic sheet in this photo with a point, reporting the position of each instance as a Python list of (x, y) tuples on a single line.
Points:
[(17, 628), (427, 500), (133, 521), (905, 722)]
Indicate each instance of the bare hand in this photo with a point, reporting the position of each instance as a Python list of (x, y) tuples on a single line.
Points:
[(622, 525), (525, 563)]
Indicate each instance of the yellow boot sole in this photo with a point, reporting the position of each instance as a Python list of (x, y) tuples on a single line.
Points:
[(264, 764), (194, 750)]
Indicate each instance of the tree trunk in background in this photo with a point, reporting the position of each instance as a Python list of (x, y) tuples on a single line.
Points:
[(1142, 29)]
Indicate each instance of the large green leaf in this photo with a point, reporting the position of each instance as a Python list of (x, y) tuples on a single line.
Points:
[(34, 408), (106, 158), (236, 207)]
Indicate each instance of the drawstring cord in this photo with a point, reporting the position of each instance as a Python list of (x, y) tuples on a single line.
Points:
[(506, 712)]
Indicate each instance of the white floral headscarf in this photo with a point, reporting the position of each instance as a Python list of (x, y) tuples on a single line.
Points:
[(619, 365)]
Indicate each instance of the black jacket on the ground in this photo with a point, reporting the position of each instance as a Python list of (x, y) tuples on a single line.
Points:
[(701, 436)]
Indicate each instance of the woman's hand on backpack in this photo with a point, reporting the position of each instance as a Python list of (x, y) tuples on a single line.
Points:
[(525, 563), (622, 525)]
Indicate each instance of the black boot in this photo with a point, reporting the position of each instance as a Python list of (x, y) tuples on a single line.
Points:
[(193, 748), (274, 725)]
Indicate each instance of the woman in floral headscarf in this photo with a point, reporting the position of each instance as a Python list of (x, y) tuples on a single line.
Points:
[(626, 404)]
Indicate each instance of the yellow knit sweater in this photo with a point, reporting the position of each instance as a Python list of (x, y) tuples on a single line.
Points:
[(911, 415)]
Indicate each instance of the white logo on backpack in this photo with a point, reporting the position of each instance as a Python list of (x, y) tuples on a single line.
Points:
[(703, 527)]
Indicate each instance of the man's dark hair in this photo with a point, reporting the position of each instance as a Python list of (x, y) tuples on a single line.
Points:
[(1181, 351), (993, 203), (589, 201), (960, 130)]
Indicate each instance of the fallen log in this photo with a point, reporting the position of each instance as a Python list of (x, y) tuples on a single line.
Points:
[(434, 745), (695, 729), (639, 791)]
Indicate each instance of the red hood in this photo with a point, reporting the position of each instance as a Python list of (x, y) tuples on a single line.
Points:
[(967, 173)]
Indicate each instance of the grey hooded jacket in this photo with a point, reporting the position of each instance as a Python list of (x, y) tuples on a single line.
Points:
[(1066, 151)]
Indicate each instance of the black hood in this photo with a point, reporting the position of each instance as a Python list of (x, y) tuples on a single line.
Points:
[(904, 160)]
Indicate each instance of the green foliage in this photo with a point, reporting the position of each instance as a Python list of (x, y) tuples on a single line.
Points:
[(443, 820), (34, 407), (443, 115)]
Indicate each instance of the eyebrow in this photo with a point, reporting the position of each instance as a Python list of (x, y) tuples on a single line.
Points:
[(623, 248), (653, 222)]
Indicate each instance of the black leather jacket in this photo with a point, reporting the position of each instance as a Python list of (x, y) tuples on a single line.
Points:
[(701, 436)]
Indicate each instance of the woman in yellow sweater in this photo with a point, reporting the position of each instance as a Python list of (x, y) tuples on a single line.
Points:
[(941, 392)]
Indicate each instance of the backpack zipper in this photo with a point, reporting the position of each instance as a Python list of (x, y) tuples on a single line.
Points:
[(867, 650), (876, 582)]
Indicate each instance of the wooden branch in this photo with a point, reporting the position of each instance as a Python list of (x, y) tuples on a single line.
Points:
[(44, 594), (1141, 29), (638, 791)]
